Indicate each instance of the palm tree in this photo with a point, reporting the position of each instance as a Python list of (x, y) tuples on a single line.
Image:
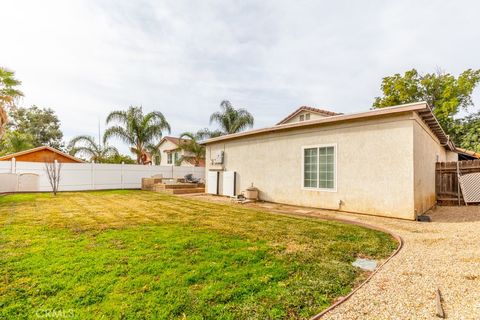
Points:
[(8, 94), (194, 150), (87, 147), (153, 150), (231, 120), (141, 132), (207, 134), (3, 120)]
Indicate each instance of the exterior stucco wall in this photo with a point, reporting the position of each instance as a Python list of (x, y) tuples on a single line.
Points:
[(168, 145), (452, 156), (374, 165), (164, 146), (427, 151)]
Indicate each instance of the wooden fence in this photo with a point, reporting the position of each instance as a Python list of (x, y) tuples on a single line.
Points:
[(446, 178)]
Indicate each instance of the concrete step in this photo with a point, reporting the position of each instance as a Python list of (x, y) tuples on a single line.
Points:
[(148, 183), (184, 191), (161, 186)]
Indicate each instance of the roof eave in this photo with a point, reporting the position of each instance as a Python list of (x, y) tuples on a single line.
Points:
[(466, 152), (429, 118), (338, 118)]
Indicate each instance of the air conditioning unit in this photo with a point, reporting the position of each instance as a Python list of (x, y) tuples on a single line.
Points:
[(218, 157)]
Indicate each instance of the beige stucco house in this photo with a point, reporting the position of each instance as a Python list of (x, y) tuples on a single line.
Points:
[(378, 162), (171, 153)]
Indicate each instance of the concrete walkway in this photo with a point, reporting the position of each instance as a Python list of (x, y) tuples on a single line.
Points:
[(443, 254)]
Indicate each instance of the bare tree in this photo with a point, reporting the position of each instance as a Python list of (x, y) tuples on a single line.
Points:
[(53, 169)]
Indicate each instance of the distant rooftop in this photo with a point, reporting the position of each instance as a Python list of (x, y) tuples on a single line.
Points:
[(322, 112)]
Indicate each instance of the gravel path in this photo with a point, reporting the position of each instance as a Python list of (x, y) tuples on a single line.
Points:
[(444, 254)]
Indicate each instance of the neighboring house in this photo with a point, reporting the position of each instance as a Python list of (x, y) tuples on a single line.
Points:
[(41, 154), (170, 154), (379, 162)]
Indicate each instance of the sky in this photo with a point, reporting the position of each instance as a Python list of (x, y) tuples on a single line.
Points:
[(86, 58)]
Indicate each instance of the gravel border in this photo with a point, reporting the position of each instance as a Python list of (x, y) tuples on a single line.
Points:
[(443, 254), (344, 299)]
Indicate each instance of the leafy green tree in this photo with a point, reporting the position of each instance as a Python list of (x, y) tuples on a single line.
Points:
[(14, 141), (40, 123), (189, 143), (8, 95), (119, 158), (230, 120), (141, 132), (445, 93), (86, 147), (467, 132)]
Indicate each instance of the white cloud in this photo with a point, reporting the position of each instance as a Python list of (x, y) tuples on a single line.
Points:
[(86, 58)]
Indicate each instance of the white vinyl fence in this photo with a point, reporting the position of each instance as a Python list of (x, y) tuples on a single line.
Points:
[(32, 176)]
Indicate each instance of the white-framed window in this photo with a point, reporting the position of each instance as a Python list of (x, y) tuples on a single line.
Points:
[(169, 158), (307, 116), (176, 157), (319, 167), (302, 117)]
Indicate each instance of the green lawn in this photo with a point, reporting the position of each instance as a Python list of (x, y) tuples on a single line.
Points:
[(139, 255)]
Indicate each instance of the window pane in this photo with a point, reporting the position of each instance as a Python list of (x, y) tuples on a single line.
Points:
[(310, 168), (326, 173)]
